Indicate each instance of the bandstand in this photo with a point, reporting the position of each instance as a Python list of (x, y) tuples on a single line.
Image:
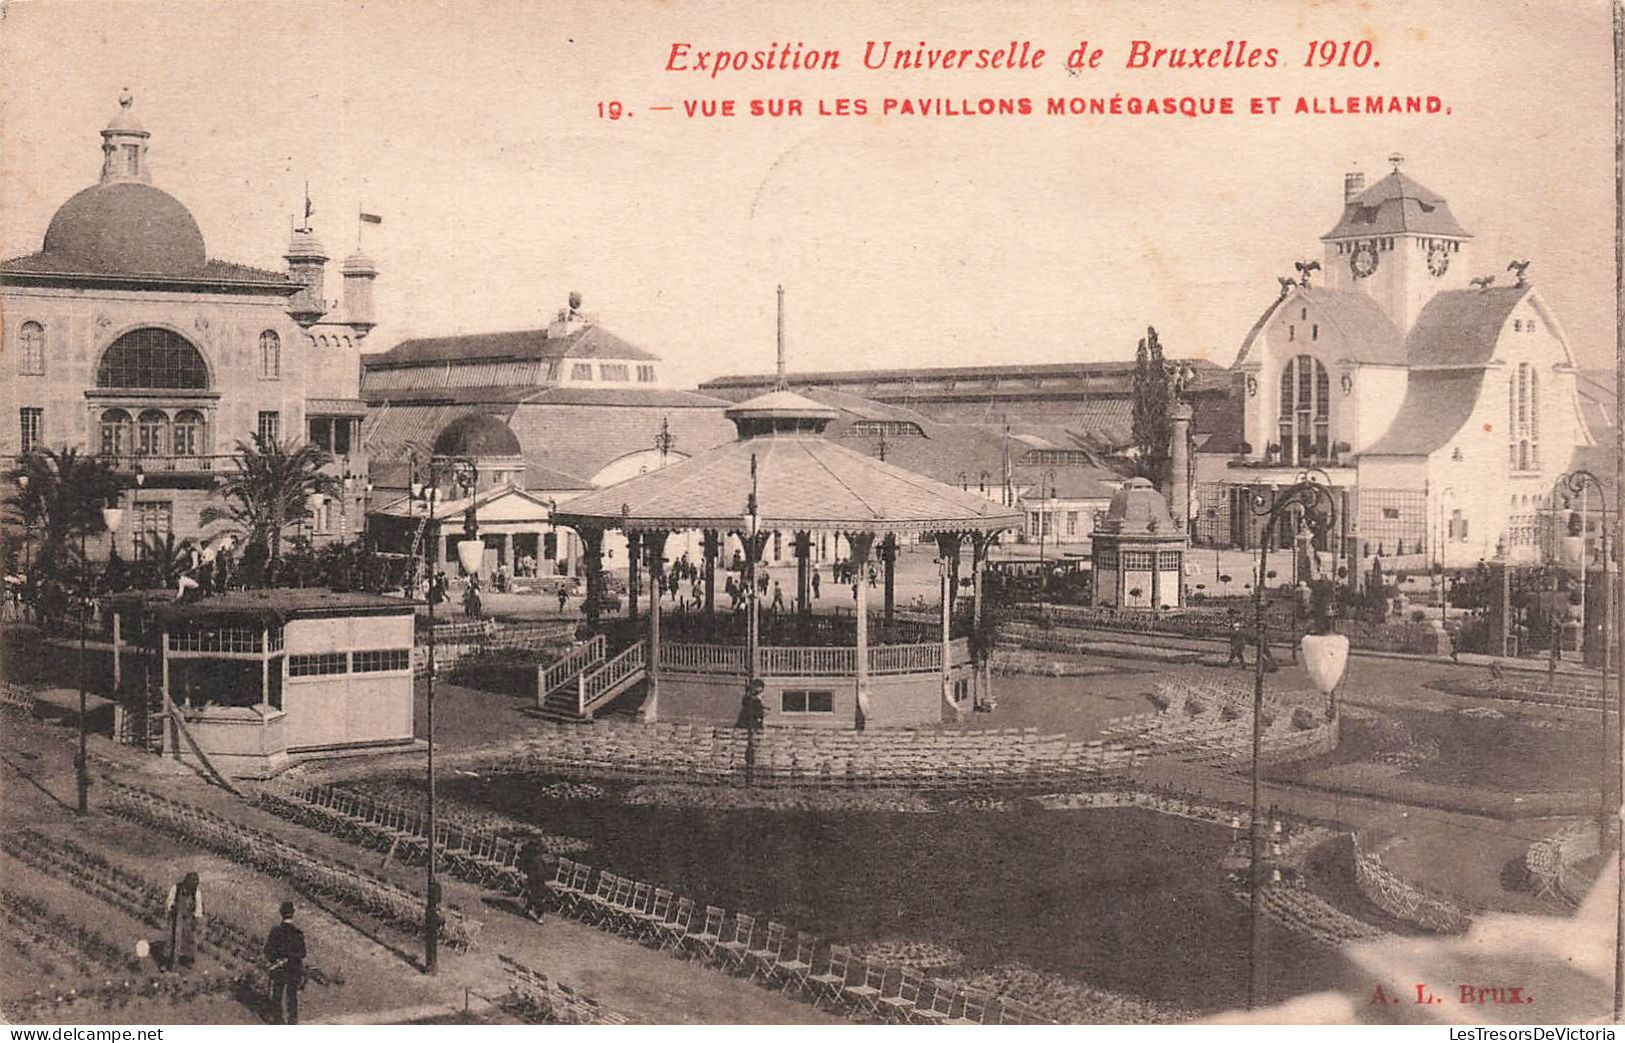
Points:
[(842, 669)]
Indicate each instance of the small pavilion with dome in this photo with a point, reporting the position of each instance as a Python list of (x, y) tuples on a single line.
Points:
[(476, 463), (1139, 551), (848, 669)]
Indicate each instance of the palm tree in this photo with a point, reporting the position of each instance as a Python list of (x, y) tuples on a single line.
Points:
[(61, 500), (269, 491), (165, 559)]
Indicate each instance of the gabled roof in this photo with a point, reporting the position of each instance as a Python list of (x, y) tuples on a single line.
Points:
[(1370, 336), (1396, 205), (588, 342), (1461, 327), (1437, 403)]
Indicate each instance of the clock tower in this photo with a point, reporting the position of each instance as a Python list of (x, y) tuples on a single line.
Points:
[(1397, 242)]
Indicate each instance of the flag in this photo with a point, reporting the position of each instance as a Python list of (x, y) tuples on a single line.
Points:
[(371, 219)]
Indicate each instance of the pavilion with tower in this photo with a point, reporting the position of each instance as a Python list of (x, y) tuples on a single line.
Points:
[(1434, 390)]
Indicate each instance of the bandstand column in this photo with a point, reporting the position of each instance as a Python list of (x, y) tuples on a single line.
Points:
[(654, 545), (860, 544), (803, 551), (592, 563), (947, 566), (888, 559), (710, 550), (979, 543), (632, 550)]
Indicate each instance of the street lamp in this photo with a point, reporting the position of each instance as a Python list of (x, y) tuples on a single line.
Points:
[(1312, 488), (431, 911), (1578, 482), (1442, 546), (752, 523), (112, 517)]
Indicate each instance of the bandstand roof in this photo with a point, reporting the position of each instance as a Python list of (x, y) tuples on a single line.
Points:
[(804, 481)]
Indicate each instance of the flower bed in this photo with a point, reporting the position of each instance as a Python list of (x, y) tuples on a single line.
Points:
[(926, 957), (1054, 998), (1405, 901)]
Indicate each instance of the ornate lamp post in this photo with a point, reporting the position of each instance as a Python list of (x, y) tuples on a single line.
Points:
[(112, 517), (428, 493), (1577, 483), (665, 441), (752, 708), (1312, 489)]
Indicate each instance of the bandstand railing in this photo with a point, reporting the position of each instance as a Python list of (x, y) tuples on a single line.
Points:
[(578, 661), (810, 661)]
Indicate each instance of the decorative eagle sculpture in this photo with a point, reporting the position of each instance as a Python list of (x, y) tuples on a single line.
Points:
[(1484, 282), (1286, 285), (1518, 268), (1304, 268)]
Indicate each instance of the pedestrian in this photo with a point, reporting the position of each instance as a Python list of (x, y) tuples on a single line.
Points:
[(185, 908), (564, 597), (816, 595), (536, 876), (778, 597), (285, 953), (1238, 643)]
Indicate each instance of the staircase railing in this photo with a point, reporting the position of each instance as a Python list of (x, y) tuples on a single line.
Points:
[(597, 687), (575, 662)]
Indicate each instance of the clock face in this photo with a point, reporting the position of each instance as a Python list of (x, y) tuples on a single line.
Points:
[(1438, 260), (1363, 261)]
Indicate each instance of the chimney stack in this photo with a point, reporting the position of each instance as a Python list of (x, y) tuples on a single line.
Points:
[(1353, 185)]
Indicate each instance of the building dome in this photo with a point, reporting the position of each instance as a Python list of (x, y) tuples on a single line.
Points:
[(126, 228), (476, 435), (1137, 509)]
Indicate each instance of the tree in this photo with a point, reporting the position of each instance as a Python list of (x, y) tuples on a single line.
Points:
[(164, 559), (63, 500), (1151, 428), (269, 491)]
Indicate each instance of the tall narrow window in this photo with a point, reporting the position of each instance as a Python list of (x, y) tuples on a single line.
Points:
[(270, 355), (32, 338), (1523, 408), (149, 432), (116, 433), (153, 522), (187, 434), (270, 425), (33, 420)]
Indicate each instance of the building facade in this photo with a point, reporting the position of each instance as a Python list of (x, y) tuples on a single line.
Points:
[(1437, 393), (123, 338)]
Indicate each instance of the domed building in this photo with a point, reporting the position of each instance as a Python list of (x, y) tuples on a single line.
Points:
[(122, 337), (1139, 551)]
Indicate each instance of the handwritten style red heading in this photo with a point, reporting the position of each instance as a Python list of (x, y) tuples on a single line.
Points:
[(1015, 55)]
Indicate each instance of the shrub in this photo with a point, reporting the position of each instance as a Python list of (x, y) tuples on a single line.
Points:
[(1229, 712), (1419, 616), (1160, 701), (1304, 718), (1194, 707)]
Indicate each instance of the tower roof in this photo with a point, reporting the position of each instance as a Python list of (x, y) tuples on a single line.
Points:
[(1397, 205), (477, 435)]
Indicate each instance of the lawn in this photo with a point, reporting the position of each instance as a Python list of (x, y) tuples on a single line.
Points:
[(1124, 900)]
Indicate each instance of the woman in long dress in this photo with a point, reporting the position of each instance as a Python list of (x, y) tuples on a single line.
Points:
[(185, 908)]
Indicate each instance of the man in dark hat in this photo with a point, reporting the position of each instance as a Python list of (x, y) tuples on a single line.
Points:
[(285, 952)]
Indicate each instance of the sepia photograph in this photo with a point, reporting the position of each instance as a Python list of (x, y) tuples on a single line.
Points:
[(685, 512)]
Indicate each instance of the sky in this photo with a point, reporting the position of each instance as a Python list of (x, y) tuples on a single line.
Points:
[(474, 129)]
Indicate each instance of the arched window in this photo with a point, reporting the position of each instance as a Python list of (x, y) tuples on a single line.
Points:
[(151, 427), (270, 355), (152, 358), (116, 430), (188, 433), (32, 337), (1305, 410)]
